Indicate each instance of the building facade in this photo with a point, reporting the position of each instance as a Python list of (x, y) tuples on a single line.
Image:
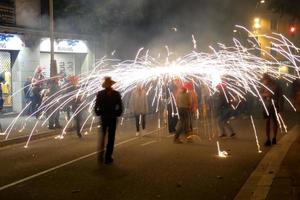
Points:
[(25, 46), (265, 22)]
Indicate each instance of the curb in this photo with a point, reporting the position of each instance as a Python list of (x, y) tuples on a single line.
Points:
[(260, 181), (25, 138)]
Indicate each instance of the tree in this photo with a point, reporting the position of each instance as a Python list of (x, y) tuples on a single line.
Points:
[(286, 7)]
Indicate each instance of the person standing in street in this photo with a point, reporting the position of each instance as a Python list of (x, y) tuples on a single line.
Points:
[(224, 110), (184, 105), (109, 107), (138, 105), (27, 91), (274, 103)]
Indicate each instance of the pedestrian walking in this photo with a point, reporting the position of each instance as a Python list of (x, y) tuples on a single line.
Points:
[(184, 106), (36, 98), (194, 103), (138, 105), (109, 107), (224, 110), (271, 94), (172, 95)]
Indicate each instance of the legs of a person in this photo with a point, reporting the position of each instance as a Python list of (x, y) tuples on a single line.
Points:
[(229, 127), (51, 119), (275, 129), (179, 129), (221, 124), (111, 137), (172, 123), (143, 121), (78, 127), (268, 123), (186, 120), (101, 142), (56, 119), (180, 124), (68, 111), (137, 122)]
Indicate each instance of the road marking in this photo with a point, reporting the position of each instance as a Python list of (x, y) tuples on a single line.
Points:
[(259, 183), (65, 164), (150, 142)]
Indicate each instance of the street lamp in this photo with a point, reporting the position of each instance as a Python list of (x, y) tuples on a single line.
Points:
[(257, 23), (53, 69)]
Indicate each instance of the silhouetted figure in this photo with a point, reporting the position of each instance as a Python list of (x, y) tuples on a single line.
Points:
[(224, 110), (175, 86), (108, 106), (77, 111), (184, 105), (36, 98), (27, 91), (273, 103), (138, 105)]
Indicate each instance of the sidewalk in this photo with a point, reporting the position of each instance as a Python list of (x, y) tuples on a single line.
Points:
[(277, 176), (22, 129), (286, 184)]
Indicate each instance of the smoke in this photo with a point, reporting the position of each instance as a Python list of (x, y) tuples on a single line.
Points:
[(127, 25)]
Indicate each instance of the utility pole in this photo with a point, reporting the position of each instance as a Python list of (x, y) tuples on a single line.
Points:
[(53, 68)]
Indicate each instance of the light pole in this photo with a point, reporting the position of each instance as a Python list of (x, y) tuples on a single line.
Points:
[(53, 69)]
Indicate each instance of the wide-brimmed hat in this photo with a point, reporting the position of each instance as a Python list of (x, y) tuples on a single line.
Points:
[(107, 82)]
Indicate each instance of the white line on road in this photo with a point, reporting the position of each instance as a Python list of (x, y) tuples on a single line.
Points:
[(150, 142), (64, 164)]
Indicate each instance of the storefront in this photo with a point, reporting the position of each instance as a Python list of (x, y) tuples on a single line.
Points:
[(69, 55), (10, 45)]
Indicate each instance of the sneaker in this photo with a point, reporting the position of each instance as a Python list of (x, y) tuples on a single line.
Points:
[(223, 135), (268, 143), (137, 133), (274, 141), (232, 135)]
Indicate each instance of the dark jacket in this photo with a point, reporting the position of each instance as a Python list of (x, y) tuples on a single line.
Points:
[(108, 104)]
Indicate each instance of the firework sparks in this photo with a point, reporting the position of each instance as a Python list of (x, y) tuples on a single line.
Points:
[(236, 66), (221, 154)]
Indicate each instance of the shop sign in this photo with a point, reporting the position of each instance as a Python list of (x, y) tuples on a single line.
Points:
[(64, 46), (10, 42)]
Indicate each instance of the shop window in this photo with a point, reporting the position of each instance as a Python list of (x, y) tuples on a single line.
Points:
[(5, 78)]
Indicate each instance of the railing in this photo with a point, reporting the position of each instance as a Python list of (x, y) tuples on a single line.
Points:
[(7, 15)]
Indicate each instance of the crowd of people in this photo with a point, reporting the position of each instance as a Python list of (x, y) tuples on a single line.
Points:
[(184, 102), (38, 90)]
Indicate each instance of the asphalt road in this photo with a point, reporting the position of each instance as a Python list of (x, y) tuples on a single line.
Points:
[(149, 167)]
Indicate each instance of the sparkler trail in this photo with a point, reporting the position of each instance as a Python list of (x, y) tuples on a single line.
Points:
[(236, 66), (255, 134)]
